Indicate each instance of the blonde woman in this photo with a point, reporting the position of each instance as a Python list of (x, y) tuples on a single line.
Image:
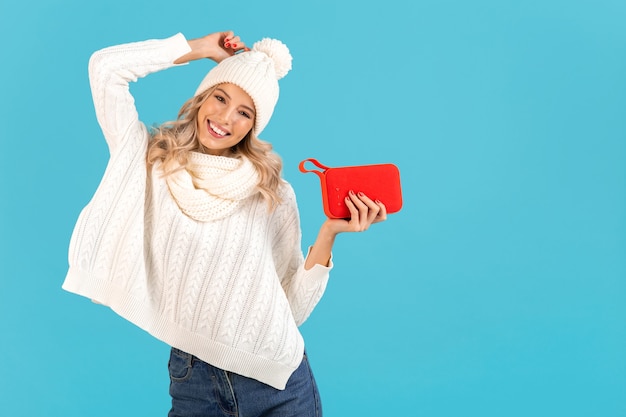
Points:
[(193, 235)]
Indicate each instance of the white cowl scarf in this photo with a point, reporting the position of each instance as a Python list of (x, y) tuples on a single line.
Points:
[(212, 187)]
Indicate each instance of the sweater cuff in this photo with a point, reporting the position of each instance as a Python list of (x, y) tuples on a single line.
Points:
[(177, 46), (319, 267)]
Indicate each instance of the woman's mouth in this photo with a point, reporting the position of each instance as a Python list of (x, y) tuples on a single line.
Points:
[(217, 130)]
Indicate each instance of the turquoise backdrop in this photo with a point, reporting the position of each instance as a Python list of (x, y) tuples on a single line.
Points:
[(498, 290)]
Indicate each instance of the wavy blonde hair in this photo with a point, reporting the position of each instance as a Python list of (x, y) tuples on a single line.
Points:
[(172, 141)]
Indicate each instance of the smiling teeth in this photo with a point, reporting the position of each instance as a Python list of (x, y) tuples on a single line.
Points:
[(217, 130)]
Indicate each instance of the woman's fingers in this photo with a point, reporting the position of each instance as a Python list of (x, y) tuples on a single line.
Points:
[(234, 43), (382, 213), (373, 208), (364, 211)]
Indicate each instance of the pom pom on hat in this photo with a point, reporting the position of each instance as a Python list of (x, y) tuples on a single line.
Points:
[(257, 72), (278, 52)]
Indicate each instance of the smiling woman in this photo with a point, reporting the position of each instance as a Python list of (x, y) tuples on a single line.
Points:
[(224, 119), (194, 236)]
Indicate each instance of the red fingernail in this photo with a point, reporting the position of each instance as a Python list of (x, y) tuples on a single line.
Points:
[(361, 194), (225, 39), (227, 45), (234, 45)]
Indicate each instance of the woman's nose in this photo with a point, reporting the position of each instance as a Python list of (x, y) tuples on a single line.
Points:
[(227, 114)]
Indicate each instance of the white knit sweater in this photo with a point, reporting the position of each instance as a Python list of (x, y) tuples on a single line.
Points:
[(233, 291)]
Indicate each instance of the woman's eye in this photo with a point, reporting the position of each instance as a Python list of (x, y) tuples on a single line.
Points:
[(244, 114), (220, 98)]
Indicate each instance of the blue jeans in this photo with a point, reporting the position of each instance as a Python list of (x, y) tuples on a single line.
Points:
[(202, 390)]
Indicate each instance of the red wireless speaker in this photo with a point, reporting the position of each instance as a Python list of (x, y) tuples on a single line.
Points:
[(378, 182)]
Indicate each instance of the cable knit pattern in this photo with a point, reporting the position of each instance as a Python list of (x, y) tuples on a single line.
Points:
[(212, 187), (226, 281)]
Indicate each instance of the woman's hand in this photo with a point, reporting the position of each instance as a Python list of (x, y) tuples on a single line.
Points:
[(363, 213), (215, 46)]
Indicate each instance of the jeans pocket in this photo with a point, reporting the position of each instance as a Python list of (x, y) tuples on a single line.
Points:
[(180, 365)]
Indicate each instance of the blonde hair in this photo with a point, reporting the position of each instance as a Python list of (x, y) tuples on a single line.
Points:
[(172, 141)]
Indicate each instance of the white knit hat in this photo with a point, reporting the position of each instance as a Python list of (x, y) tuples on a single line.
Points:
[(257, 72)]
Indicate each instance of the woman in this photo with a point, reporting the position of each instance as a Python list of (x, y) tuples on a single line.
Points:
[(193, 235)]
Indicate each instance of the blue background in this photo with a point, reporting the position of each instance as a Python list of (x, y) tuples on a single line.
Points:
[(498, 290)]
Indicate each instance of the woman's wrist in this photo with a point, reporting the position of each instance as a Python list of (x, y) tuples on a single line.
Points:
[(198, 51), (321, 250)]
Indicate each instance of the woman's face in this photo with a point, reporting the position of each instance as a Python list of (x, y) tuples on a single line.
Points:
[(225, 118)]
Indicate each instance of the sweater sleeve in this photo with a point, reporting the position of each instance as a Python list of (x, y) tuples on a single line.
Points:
[(304, 288), (112, 69)]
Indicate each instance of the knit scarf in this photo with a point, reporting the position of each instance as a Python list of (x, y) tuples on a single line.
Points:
[(212, 187)]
